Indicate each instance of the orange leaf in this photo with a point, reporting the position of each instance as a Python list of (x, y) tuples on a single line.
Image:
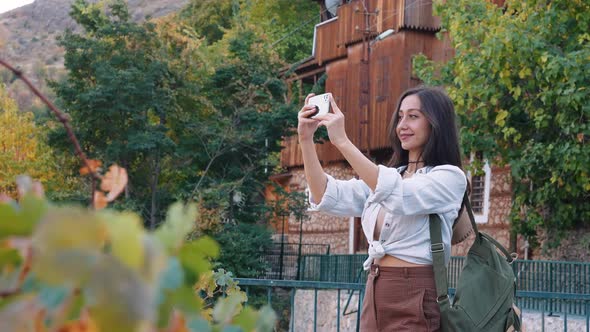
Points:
[(114, 182), (177, 323), (94, 165), (100, 200), (580, 137), (39, 321), (84, 324)]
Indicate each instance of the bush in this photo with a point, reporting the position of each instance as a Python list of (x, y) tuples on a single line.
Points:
[(242, 249), (70, 268)]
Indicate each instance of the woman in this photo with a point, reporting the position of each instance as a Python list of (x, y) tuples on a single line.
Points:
[(394, 202)]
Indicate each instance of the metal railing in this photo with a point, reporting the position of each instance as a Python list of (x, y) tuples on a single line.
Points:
[(284, 258), (342, 310), (553, 277), (293, 285), (532, 277)]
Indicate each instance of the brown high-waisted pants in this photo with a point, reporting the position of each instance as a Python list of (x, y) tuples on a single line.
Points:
[(400, 299)]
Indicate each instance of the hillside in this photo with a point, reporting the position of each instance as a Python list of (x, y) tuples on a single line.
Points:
[(28, 37)]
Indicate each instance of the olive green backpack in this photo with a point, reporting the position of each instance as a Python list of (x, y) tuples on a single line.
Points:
[(486, 289)]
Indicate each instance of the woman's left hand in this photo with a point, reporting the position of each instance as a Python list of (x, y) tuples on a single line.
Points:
[(334, 123)]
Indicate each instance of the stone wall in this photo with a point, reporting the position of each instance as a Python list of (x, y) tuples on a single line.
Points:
[(497, 224), (321, 228), (327, 311)]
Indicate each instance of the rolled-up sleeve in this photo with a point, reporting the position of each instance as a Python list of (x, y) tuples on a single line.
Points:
[(437, 191), (342, 198)]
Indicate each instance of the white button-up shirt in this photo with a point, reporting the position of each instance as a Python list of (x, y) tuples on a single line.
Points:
[(407, 202)]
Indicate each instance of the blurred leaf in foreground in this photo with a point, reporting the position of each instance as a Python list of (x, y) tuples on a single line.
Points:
[(125, 234), (179, 222)]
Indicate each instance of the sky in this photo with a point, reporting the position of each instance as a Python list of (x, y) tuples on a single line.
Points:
[(6, 5)]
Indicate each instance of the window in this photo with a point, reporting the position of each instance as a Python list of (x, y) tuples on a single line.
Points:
[(480, 188)]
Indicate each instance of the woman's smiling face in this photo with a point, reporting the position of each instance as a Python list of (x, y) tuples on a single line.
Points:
[(413, 128)]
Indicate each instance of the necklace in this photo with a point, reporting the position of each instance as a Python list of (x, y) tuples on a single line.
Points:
[(407, 171)]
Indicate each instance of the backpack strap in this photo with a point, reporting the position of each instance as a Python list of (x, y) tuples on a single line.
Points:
[(470, 213), (438, 252), (437, 248), (510, 258), (480, 236)]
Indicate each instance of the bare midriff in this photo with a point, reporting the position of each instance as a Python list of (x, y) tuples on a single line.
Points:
[(388, 260)]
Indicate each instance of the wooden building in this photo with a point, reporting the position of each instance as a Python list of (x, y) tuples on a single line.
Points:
[(366, 75)]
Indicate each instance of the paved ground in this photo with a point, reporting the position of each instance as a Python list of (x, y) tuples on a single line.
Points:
[(533, 322)]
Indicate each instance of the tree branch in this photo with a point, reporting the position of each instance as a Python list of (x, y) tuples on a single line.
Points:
[(60, 116)]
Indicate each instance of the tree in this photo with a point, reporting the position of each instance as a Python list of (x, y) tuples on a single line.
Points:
[(285, 26), (122, 95), (249, 118), (288, 26), (22, 149), (210, 18), (234, 139), (185, 117), (519, 80)]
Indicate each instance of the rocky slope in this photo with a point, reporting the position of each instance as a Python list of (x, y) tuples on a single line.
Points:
[(28, 37), (28, 33)]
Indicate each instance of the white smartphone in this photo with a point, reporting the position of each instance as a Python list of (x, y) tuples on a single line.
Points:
[(322, 104)]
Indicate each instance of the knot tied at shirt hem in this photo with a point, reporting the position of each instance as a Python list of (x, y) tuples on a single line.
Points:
[(376, 251)]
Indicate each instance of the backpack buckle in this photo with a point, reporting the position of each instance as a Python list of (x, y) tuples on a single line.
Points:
[(513, 257), (437, 247), (442, 298)]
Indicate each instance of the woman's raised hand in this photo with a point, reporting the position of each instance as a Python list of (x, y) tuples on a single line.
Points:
[(334, 123), (306, 127)]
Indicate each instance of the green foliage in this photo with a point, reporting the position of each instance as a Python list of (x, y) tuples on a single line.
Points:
[(121, 95), (191, 105), (209, 18), (125, 279), (23, 149), (181, 115), (242, 249), (520, 85), (287, 25), (239, 130)]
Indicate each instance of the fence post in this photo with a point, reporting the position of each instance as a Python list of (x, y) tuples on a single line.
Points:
[(281, 257), (338, 311), (315, 309), (299, 251), (292, 309), (543, 316), (359, 308), (587, 316)]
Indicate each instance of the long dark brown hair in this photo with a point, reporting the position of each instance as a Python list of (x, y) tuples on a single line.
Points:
[(442, 147)]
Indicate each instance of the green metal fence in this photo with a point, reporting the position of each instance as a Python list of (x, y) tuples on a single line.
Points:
[(342, 309), (532, 277), (284, 258), (291, 286), (553, 277)]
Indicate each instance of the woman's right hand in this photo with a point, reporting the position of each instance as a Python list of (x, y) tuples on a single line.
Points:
[(306, 127)]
